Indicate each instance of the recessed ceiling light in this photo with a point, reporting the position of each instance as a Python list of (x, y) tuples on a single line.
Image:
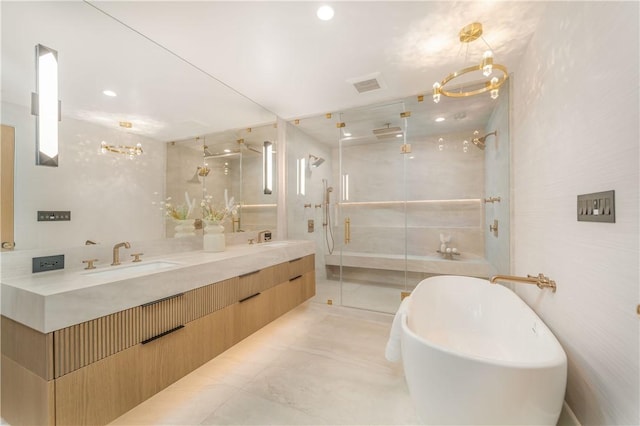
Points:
[(399, 135), (440, 119), (227, 151), (347, 134), (110, 93), (325, 13)]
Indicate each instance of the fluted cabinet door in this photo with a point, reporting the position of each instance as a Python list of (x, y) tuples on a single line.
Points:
[(100, 392)]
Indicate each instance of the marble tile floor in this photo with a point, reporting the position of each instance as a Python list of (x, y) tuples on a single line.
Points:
[(318, 364)]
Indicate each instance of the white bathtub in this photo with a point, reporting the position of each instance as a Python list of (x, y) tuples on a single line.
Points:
[(475, 353)]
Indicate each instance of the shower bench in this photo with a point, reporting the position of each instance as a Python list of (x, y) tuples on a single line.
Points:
[(435, 264)]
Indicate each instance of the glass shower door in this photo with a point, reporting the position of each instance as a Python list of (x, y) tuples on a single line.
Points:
[(370, 215)]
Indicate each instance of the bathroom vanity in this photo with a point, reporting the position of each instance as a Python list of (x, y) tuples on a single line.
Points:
[(83, 347)]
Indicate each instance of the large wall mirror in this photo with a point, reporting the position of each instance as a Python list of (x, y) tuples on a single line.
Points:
[(159, 98)]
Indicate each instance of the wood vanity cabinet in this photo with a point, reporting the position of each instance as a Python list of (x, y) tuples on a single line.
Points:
[(93, 372)]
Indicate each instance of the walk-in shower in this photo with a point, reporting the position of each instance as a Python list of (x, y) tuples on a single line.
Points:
[(396, 190)]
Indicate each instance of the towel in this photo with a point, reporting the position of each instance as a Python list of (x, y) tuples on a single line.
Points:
[(393, 351)]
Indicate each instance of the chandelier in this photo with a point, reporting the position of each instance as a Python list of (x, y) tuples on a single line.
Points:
[(130, 151), (468, 34)]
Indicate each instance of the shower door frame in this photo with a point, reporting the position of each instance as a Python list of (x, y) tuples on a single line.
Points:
[(344, 224)]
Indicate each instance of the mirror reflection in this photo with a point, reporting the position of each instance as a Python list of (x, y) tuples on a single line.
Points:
[(224, 171), (118, 89)]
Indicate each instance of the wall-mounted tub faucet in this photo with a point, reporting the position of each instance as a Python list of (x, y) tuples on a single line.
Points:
[(116, 252), (540, 280)]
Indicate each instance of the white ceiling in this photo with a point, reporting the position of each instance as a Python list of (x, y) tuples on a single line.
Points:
[(276, 54)]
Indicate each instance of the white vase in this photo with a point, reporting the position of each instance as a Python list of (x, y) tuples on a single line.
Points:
[(214, 240), (184, 228)]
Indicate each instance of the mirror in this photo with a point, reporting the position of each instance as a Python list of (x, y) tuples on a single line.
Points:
[(160, 98), (224, 167)]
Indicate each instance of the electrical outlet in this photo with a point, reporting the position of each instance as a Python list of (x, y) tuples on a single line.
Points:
[(310, 226), (47, 263)]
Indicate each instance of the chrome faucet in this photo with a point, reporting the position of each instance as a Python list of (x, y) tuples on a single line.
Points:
[(264, 236), (116, 253)]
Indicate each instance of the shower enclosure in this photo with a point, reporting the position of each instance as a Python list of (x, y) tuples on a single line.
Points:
[(222, 166), (402, 196)]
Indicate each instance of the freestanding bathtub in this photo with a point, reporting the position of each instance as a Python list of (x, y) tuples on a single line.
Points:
[(475, 353)]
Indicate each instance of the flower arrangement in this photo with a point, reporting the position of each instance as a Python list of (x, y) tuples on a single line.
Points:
[(181, 211), (213, 214)]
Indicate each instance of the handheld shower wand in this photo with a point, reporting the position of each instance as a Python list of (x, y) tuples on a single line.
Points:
[(327, 202), (326, 215)]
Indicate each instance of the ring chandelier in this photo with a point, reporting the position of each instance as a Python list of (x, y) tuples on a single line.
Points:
[(468, 34), (131, 151)]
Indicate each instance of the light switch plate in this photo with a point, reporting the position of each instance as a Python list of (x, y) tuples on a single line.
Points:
[(597, 207), (53, 216)]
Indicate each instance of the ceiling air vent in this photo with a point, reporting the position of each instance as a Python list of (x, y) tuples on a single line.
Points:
[(368, 83)]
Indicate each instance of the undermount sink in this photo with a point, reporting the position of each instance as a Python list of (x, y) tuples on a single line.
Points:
[(274, 244), (123, 271)]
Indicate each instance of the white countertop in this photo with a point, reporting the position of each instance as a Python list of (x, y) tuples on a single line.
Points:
[(49, 301)]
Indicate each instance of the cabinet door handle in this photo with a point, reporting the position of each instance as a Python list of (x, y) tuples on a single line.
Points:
[(151, 339), (249, 273), (295, 278), (162, 300), (248, 297)]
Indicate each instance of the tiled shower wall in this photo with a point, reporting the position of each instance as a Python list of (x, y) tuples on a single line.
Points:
[(445, 188)]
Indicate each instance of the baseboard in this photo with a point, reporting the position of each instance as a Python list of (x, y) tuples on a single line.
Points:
[(567, 418)]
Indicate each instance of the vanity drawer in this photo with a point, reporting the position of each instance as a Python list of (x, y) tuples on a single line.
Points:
[(162, 316), (256, 311), (211, 298), (301, 265), (250, 284), (83, 344)]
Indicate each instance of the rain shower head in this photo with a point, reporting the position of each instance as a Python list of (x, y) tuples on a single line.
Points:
[(480, 141), (388, 132), (315, 161)]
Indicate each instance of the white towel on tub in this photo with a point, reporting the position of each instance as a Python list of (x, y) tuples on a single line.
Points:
[(393, 352)]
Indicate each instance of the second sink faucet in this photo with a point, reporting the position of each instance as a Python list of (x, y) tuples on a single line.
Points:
[(116, 252)]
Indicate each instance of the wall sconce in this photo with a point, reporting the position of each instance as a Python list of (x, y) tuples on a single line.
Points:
[(345, 187), (267, 167), (301, 174), (46, 106)]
